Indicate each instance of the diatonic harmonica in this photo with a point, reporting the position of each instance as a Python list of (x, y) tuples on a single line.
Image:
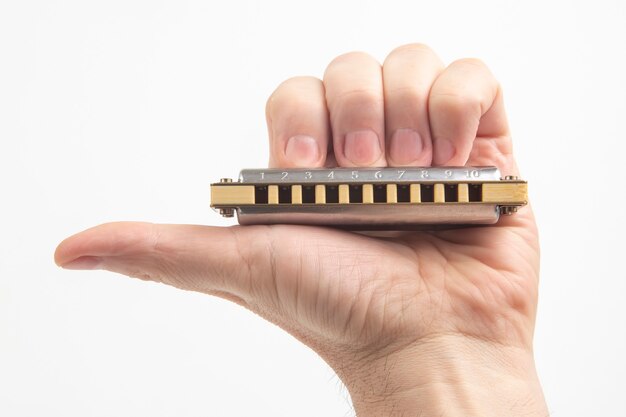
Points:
[(370, 198)]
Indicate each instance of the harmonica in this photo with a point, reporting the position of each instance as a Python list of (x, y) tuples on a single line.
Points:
[(370, 198)]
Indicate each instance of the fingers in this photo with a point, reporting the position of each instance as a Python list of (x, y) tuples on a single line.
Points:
[(408, 73), (465, 101), (410, 112), (297, 121), (354, 95), (220, 261)]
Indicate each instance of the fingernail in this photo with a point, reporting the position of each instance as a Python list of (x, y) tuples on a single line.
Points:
[(302, 150), (444, 151), (362, 147), (406, 146), (84, 262)]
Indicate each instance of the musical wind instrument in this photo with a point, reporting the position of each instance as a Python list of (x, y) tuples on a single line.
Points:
[(370, 198)]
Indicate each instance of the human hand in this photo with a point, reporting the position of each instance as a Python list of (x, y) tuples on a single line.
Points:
[(418, 323)]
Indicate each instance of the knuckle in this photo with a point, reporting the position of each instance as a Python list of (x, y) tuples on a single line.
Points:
[(410, 48), (410, 97), (470, 64), (362, 94), (455, 103), (359, 98), (474, 67), (284, 105), (467, 84), (297, 82), (354, 57), (477, 68), (292, 94)]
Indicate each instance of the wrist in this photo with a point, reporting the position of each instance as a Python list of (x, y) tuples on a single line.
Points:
[(448, 375)]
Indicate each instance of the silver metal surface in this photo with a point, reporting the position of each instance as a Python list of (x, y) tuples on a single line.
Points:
[(401, 216), (369, 175)]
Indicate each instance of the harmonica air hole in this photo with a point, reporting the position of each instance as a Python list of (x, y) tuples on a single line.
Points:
[(308, 194), (404, 193), (451, 193), (260, 194), (284, 194), (356, 193), (427, 193), (380, 193), (475, 193), (332, 194)]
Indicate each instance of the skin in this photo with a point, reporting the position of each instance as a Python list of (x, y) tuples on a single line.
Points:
[(414, 323)]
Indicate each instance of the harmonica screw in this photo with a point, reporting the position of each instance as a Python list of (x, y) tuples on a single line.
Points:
[(224, 180), (508, 210), (511, 178), (227, 212)]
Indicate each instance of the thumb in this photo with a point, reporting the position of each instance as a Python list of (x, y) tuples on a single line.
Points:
[(215, 260)]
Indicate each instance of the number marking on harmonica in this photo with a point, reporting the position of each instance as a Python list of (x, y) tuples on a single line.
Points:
[(369, 175)]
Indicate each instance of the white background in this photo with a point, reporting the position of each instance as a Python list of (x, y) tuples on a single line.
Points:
[(127, 110)]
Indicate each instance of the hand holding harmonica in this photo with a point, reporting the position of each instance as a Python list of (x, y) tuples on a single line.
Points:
[(426, 322)]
